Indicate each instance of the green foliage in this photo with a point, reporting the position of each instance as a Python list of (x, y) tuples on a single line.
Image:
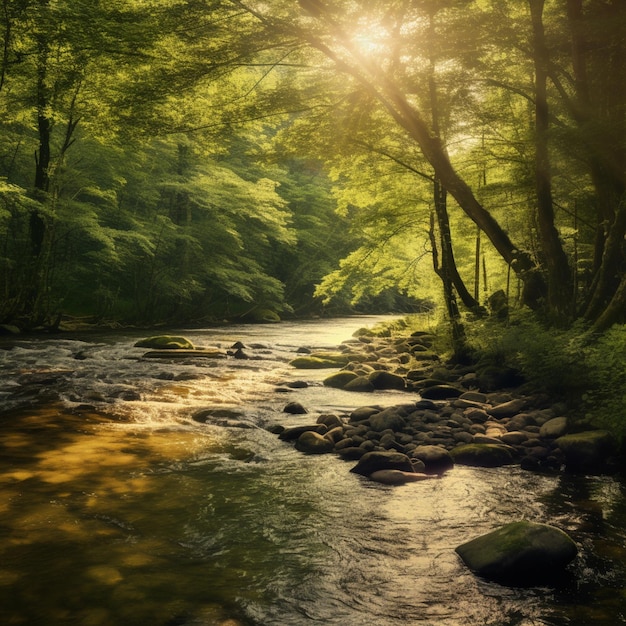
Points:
[(587, 372)]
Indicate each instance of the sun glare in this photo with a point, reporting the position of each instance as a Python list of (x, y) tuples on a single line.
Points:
[(370, 39)]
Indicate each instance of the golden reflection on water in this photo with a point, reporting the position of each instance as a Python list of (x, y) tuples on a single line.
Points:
[(76, 544)]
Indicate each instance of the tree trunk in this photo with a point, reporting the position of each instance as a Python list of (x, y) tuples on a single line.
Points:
[(615, 312), (557, 265), (442, 269), (609, 273)]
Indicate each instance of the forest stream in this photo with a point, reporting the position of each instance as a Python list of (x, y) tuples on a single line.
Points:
[(118, 508)]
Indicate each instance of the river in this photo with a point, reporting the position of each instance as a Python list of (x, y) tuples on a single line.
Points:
[(118, 508)]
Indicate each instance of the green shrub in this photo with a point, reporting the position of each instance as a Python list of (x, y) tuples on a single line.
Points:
[(586, 371)]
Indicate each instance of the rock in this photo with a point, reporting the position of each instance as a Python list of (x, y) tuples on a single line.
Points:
[(514, 437), (291, 434), (507, 409), (330, 420), (482, 455), (295, 408), (474, 396), (589, 451), (480, 438), (183, 353), (397, 477), (363, 413), (311, 442), (360, 383), (339, 380), (387, 380), (297, 384), (326, 359), (351, 453), (441, 392), (554, 428), (387, 419), (521, 553), (478, 416), (381, 460), (436, 459), (165, 342)]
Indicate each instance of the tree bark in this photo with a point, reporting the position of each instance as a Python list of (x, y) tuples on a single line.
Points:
[(557, 265)]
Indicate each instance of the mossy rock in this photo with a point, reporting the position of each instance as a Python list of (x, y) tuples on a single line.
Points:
[(320, 360), (387, 380), (165, 342), (482, 455), (589, 451), (339, 380), (520, 553)]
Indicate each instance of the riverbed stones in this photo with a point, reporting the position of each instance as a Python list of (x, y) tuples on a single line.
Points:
[(292, 434), (382, 460), (389, 418), (520, 553), (436, 459), (397, 477), (507, 409), (339, 380), (386, 380), (311, 442), (475, 424), (554, 428), (294, 408), (482, 455), (441, 392)]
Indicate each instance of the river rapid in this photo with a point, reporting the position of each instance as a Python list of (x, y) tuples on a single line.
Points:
[(118, 508)]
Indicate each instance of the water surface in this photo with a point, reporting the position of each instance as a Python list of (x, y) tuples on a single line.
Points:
[(117, 507)]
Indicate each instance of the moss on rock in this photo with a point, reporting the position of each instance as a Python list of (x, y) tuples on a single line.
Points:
[(165, 342)]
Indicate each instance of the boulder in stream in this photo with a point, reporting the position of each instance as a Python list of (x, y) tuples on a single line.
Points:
[(382, 460), (590, 451), (165, 342), (520, 553), (311, 442), (397, 477)]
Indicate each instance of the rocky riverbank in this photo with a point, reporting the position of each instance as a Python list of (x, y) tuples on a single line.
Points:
[(480, 414)]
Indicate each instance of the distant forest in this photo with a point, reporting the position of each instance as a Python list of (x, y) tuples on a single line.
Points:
[(170, 161)]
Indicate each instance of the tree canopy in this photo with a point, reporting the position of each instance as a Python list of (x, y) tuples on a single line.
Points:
[(171, 160)]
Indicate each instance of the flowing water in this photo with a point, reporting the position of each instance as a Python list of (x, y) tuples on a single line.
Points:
[(118, 508)]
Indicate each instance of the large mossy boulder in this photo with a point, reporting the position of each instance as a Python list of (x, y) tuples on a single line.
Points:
[(165, 342), (520, 553), (590, 451), (482, 455)]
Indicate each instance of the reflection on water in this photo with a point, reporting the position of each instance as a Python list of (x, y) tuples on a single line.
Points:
[(130, 512)]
